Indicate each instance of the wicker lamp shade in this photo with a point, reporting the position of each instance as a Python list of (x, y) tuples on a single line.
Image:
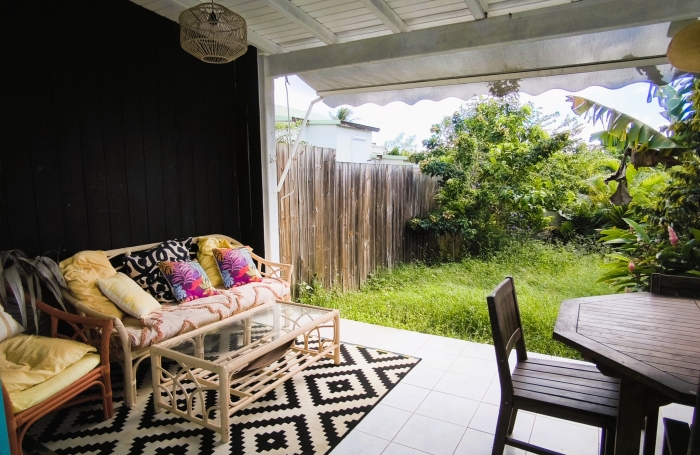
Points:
[(684, 49), (212, 33)]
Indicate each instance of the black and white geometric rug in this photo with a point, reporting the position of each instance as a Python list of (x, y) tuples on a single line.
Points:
[(309, 414)]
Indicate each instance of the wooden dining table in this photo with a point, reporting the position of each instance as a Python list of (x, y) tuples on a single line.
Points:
[(650, 342)]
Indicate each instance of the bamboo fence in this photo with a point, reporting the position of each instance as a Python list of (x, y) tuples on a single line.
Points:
[(339, 222)]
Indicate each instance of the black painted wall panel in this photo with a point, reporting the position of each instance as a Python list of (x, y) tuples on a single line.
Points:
[(114, 136)]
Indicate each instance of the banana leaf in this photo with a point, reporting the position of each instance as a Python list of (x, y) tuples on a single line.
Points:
[(621, 130)]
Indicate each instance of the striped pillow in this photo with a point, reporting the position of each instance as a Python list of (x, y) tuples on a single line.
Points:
[(8, 326)]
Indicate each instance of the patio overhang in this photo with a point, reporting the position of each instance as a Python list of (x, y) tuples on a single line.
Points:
[(608, 43)]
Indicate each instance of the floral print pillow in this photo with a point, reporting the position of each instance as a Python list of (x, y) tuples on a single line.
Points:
[(236, 266), (187, 279)]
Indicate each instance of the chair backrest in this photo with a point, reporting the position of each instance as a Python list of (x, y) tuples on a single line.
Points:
[(507, 330), (676, 286)]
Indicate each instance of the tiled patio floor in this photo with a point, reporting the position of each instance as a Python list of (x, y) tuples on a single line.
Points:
[(448, 404)]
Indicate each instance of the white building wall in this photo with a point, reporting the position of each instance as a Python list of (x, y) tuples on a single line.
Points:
[(321, 136), (350, 144)]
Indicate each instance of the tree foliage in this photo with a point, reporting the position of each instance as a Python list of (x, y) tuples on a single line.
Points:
[(344, 114), (401, 145), (500, 171)]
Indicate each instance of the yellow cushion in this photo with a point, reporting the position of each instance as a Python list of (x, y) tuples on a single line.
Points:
[(41, 392), (205, 256), (27, 360), (82, 272), (128, 295)]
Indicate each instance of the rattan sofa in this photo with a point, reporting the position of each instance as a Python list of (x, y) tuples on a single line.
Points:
[(122, 349)]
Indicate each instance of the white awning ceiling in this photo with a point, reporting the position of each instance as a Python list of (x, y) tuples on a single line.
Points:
[(610, 59)]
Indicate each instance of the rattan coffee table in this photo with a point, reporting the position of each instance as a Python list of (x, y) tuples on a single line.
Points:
[(239, 360)]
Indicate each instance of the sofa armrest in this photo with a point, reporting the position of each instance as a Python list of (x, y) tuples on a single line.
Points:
[(93, 331), (274, 269)]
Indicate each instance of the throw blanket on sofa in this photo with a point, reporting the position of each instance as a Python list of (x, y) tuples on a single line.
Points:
[(172, 320)]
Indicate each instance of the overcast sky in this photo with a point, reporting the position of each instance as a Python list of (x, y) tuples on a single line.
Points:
[(398, 117)]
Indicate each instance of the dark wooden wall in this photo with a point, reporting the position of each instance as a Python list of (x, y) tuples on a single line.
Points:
[(111, 135)]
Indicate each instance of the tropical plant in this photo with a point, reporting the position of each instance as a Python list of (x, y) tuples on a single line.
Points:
[(24, 276), (343, 114), (645, 145), (639, 254)]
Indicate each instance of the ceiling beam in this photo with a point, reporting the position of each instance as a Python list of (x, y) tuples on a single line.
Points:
[(478, 8), (586, 16), (263, 44), (308, 23), (387, 15)]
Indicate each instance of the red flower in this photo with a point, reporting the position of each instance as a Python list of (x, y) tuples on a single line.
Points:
[(630, 266)]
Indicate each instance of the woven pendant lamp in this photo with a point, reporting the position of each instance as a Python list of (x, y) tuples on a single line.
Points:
[(212, 33), (684, 49)]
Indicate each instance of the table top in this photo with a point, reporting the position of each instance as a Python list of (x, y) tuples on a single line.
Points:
[(649, 338), (271, 325)]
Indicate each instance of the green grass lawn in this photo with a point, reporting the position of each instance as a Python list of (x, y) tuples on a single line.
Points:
[(450, 299)]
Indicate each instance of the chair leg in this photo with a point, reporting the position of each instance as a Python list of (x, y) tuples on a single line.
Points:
[(652, 423), (499, 439), (511, 425)]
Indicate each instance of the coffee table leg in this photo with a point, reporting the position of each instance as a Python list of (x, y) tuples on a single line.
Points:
[(629, 418), (247, 337), (224, 398), (336, 339)]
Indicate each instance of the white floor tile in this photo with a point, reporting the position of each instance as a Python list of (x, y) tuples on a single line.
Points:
[(399, 348), (462, 386), (470, 366), (436, 359), (479, 443), (475, 443), (412, 338), (362, 340), (493, 394), (358, 443), (423, 376), (384, 421), (406, 397), (449, 408), (479, 351), (377, 331), (565, 437), (485, 418), (398, 449), (445, 344), (430, 435)]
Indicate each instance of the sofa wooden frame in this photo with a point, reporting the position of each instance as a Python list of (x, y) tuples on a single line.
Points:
[(121, 352), (93, 331)]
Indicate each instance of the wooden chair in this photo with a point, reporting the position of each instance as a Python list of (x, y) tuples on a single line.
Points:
[(675, 285), (18, 424), (679, 437), (565, 390)]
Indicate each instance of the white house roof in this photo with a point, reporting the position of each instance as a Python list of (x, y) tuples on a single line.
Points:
[(357, 51), (281, 114)]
